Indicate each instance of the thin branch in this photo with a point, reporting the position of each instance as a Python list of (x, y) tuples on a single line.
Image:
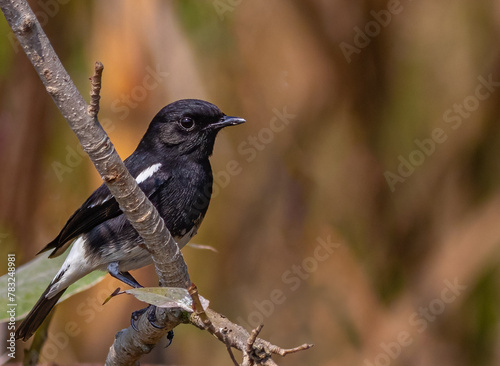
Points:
[(231, 354), (95, 90), (199, 311), (256, 351), (198, 308), (252, 338), (283, 351)]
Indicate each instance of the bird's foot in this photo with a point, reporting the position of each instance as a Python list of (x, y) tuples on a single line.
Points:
[(170, 337), (151, 309)]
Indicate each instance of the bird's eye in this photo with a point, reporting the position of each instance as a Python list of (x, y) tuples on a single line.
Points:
[(187, 123)]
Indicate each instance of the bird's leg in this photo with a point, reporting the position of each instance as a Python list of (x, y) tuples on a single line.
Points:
[(127, 278)]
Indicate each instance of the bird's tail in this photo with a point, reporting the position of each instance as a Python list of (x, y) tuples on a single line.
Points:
[(38, 314)]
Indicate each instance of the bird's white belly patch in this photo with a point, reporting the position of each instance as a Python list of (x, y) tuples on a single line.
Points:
[(74, 267)]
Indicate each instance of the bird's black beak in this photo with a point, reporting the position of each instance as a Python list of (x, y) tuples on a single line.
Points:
[(226, 121)]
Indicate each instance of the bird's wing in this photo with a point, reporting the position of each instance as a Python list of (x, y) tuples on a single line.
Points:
[(98, 208)]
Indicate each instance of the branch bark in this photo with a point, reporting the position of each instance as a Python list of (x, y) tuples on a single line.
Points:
[(129, 344), (256, 351), (167, 258)]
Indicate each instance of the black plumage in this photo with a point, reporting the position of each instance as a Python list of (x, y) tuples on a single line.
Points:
[(171, 165)]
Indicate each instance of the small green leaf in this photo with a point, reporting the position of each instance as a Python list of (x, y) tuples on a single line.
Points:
[(31, 279), (166, 297)]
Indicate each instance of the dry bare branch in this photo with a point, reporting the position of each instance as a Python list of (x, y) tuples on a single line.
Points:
[(254, 349)]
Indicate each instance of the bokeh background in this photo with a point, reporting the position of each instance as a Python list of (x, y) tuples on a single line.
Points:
[(345, 224)]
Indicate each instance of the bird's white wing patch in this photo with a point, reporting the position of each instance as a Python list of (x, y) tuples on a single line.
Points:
[(107, 198), (148, 172)]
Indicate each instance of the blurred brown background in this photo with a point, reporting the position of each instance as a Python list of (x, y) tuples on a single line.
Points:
[(364, 215)]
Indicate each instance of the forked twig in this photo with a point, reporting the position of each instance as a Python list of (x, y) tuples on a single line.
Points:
[(95, 90)]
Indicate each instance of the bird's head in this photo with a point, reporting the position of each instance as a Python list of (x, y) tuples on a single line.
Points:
[(187, 126)]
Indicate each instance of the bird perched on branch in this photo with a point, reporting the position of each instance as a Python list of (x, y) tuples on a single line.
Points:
[(171, 166)]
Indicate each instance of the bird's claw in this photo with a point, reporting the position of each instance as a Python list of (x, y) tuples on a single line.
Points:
[(152, 317), (135, 316), (151, 309), (170, 337)]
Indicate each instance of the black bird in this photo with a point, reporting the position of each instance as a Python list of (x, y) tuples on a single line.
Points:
[(171, 166)]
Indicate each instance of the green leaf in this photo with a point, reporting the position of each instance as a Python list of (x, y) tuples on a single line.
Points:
[(32, 278), (166, 297)]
